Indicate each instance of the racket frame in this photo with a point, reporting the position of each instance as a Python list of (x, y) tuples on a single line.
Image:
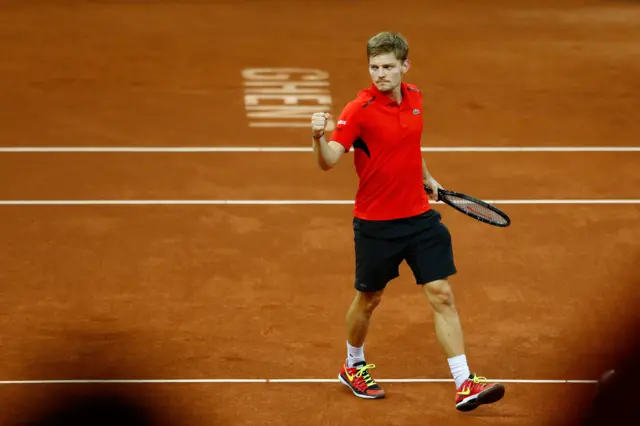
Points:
[(442, 196)]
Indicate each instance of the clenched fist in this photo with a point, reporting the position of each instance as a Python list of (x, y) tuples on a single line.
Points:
[(319, 122)]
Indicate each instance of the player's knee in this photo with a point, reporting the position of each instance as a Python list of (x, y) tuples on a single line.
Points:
[(440, 294), (368, 301)]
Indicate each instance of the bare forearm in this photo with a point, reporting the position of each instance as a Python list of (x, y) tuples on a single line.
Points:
[(425, 172), (430, 182), (427, 179), (327, 153), (326, 157)]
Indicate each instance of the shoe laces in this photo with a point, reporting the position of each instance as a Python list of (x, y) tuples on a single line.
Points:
[(478, 380), (363, 372), (475, 381)]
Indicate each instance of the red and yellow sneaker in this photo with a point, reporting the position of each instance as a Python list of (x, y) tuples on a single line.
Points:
[(358, 379), (476, 391)]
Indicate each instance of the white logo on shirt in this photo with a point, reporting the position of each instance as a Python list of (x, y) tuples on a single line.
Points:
[(416, 111), (343, 122)]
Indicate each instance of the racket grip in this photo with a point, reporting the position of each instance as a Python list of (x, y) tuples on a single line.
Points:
[(430, 191)]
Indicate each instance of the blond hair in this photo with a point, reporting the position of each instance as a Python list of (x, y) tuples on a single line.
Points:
[(388, 42)]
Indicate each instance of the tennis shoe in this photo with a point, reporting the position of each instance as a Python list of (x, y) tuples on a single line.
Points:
[(476, 391), (359, 380)]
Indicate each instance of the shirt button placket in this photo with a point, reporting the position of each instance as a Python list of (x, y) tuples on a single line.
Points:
[(404, 122)]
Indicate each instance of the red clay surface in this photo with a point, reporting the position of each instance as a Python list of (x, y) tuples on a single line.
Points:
[(238, 176), (246, 292), (126, 73), (201, 292)]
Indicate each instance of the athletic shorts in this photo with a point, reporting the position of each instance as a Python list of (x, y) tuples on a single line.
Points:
[(423, 241)]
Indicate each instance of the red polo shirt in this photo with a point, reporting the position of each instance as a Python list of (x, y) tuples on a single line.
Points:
[(386, 138)]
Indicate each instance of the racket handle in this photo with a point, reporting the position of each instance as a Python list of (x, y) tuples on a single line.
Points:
[(430, 191)]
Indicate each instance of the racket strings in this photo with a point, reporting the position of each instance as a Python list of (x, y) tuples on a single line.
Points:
[(476, 209)]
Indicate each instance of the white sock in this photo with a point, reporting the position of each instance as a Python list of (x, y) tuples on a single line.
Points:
[(459, 369), (354, 354)]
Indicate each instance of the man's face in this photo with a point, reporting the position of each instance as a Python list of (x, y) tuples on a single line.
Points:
[(386, 71)]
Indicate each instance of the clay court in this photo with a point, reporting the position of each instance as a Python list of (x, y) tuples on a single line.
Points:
[(167, 237)]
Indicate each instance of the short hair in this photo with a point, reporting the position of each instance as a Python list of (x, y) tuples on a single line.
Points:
[(388, 42)]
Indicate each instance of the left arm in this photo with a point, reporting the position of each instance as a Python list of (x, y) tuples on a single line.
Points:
[(429, 181)]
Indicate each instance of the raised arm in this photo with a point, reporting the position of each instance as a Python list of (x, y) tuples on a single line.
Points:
[(327, 153)]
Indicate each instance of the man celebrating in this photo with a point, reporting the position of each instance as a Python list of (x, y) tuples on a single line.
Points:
[(393, 220)]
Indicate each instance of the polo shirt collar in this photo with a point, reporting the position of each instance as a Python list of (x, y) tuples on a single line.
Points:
[(383, 97)]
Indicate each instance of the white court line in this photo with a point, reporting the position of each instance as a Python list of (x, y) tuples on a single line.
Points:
[(283, 202), (288, 381), (308, 149)]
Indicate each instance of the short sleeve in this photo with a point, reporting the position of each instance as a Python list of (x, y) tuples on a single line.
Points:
[(347, 128)]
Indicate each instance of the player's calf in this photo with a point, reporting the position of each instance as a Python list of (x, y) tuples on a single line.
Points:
[(359, 316)]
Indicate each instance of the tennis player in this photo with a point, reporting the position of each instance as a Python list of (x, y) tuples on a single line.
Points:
[(393, 220)]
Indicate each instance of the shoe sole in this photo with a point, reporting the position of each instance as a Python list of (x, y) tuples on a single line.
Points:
[(489, 396), (359, 395)]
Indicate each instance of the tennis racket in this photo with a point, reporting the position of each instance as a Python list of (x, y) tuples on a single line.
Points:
[(477, 209)]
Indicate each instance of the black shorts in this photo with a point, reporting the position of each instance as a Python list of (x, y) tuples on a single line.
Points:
[(423, 241)]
